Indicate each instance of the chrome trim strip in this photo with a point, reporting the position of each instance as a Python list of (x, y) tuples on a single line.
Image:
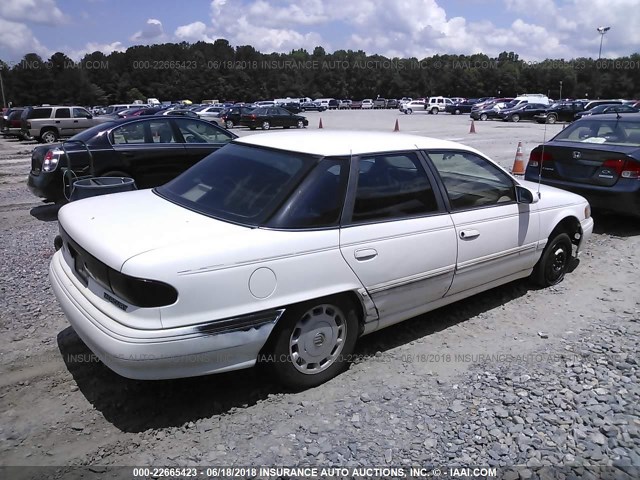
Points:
[(496, 256), (234, 324), (411, 279)]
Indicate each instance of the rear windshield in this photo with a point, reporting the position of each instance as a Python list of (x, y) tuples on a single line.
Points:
[(89, 133), (239, 184), (610, 132)]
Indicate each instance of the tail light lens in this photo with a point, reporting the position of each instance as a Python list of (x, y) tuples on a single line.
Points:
[(538, 157), (623, 168), (51, 160), (141, 291)]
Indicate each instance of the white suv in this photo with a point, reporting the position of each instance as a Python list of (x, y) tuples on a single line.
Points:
[(437, 104)]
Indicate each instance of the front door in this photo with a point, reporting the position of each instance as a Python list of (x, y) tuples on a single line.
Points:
[(396, 237), (496, 236)]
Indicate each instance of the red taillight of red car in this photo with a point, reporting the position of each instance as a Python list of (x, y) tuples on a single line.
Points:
[(538, 156)]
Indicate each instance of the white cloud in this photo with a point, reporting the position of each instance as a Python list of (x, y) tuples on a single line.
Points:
[(193, 32), (91, 47), (153, 31), (36, 11), (17, 39)]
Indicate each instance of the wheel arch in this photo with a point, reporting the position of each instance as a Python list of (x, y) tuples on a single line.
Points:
[(569, 225)]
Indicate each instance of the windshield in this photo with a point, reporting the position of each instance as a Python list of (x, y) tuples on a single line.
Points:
[(239, 184), (610, 132)]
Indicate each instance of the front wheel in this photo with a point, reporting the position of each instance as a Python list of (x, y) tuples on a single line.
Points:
[(515, 118), (266, 125), (551, 119), (484, 117), (49, 136), (229, 124), (314, 341), (300, 124), (554, 263), (457, 111)]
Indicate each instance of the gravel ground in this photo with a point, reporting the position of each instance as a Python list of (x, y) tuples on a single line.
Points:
[(517, 377)]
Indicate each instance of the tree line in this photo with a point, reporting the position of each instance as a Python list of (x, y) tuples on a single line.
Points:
[(199, 71)]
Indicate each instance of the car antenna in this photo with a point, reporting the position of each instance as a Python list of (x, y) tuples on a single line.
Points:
[(544, 140)]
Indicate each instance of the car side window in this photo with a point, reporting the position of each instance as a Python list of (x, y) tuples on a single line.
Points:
[(318, 202), (472, 181), (63, 113), (81, 113), (129, 133), (161, 132), (392, 186), (194, 131)]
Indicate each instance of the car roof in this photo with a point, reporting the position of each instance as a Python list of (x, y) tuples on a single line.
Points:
[(633, 117), (334, 143)]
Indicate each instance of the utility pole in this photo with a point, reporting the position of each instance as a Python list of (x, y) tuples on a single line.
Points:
[(4, 102)]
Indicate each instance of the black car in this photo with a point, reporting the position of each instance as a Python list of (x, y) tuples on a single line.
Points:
[(485, 113), (293, 107), (607, 108), (152, 150), (560, 112), (392, 103), (314, 106), (526, 111), (232, 116), (597, 157), (460, 107), (268, 117)]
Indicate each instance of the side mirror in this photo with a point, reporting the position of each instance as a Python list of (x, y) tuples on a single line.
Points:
[(524, 195)]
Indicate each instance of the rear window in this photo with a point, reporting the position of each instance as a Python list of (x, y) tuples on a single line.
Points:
[(238, 183), (610, 132)]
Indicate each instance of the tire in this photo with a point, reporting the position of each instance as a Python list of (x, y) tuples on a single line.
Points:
[(515, 118), (408, 111), (266, 125), (49, 136), (313, 342), (484, 117), (229, 124), (457, 111), (434, 111), (300, 124), (552, 118), (554, 262)]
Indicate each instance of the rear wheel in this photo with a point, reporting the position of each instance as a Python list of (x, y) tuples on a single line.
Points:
[(457, 111), (49, 136), (408, 111), (314, 341), (552, 118), (484, 117), (515, 118), (266, 125), (434, 110), (300, 124), (553, 264), (228, 124)]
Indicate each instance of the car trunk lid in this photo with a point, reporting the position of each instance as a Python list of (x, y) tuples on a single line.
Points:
[(595, 165)]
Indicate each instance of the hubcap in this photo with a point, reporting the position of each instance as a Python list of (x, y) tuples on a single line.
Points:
[(317, 339), (558, 263)]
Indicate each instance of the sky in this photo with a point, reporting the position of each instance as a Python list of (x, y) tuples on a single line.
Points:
[(534, 29)]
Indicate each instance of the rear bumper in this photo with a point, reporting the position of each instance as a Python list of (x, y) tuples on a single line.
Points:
[(622, 198), (46, 185), (157, 354)]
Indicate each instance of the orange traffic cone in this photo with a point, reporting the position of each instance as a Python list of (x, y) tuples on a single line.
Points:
[(473, 127), (518, 163), (397, 127), (320, 124)]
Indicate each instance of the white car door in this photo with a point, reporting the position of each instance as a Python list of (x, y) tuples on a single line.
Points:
[(397, 238), (497, 237)]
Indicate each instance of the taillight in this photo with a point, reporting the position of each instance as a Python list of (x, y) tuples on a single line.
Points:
[(141, 291), (51, 159), (538, 156), (631, 169)]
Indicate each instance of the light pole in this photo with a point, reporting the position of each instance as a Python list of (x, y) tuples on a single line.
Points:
[(602, 31), (560, 91), (4, 102)]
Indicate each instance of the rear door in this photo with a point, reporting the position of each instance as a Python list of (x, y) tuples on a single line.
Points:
[(149, 150), (63, 122), (397, 237)]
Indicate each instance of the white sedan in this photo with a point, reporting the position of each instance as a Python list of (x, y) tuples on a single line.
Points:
[(414, 105), (286, 248)]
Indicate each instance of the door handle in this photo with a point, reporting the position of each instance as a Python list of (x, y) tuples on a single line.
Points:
[(365, 254), (469, 234), (75, 121)]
